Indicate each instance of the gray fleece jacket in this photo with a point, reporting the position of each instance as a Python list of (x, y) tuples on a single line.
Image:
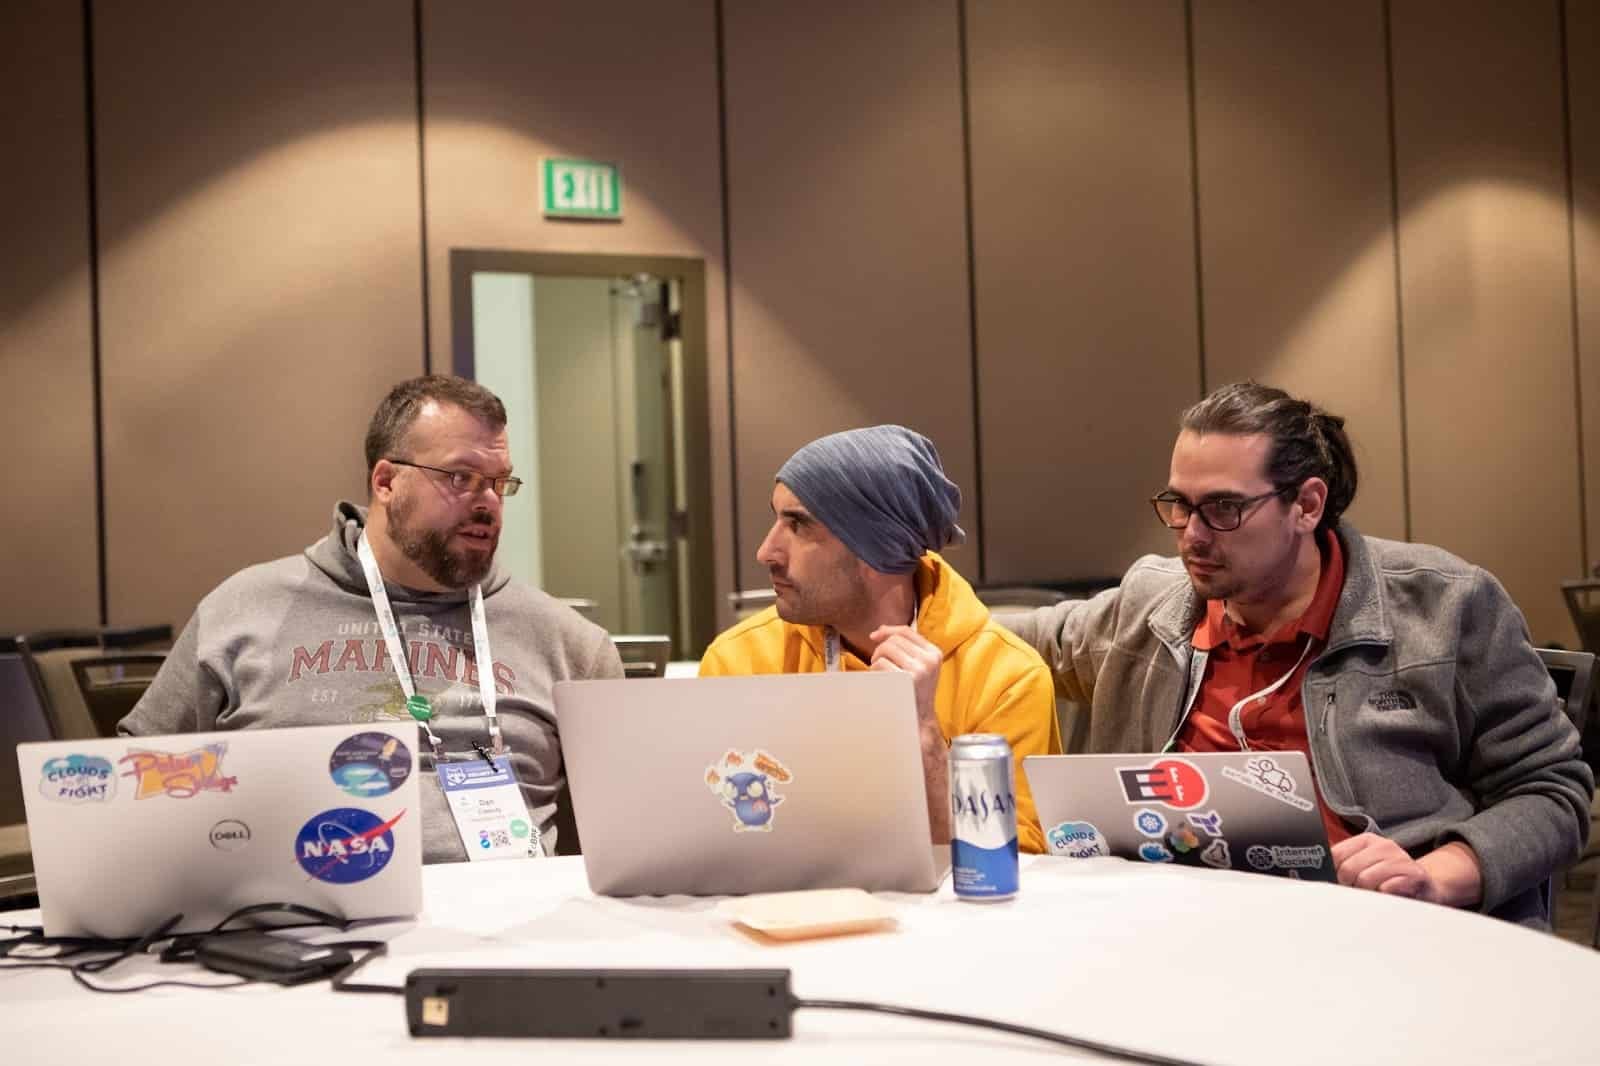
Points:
[(1431, 717), (295, 642)]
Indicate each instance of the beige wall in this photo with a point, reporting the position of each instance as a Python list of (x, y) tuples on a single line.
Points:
[(846, 228), (1583, 101), (259, 277), (1291, 131), (49, 567), (1486, 293), (1161, 194), (1083, 255)]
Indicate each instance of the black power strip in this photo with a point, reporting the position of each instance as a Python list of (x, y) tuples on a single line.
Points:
[(627, 1004)]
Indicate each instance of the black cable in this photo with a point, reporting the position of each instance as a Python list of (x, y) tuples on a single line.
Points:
[(341, 980), (1110, 1050), (110, 952)]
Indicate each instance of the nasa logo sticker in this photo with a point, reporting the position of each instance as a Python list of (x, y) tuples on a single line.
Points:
[(345, 845), (369, 765), (746, 783), (230, 834)]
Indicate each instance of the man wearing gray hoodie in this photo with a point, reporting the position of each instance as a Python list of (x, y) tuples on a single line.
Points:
[(1442, 766), (305, 641)]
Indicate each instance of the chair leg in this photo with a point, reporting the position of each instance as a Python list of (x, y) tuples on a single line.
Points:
[(1594, 910), (1594, 913)]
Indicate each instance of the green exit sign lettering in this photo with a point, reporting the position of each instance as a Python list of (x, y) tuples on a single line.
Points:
[(576, 188)]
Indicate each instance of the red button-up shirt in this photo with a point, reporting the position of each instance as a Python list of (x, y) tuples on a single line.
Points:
[(1242, 663)]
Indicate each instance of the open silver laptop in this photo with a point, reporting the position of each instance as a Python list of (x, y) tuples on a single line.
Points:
[(129, 831), (1248, 810), (724, 786)]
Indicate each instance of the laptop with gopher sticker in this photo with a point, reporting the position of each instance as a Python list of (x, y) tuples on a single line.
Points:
[(733, 785), (1248, 810)]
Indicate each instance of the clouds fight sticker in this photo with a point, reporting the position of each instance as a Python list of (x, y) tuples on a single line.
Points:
[(77, 779), (345, 845), (180, 775), (1172, 783), (370, 764), (745, 783), (1077, 840)]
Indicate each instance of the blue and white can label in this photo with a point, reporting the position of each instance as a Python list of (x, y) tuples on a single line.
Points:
[(983, 818)]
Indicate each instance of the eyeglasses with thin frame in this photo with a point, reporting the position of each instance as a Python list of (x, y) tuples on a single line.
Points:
[(1221, 515), (468, 482)]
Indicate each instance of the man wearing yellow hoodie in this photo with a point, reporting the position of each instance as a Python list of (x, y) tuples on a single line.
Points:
[(853, 554)]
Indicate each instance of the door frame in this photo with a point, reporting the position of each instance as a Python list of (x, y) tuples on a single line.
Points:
[(691, 276)]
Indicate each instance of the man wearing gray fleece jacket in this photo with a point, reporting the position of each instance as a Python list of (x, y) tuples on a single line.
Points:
[(298, 641), (1442, 766)]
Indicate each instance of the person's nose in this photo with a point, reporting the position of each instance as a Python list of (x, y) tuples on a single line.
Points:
[(1194, 533), (770, 552)]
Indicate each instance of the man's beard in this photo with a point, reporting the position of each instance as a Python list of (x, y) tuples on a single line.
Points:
[(430, 549), (833, 601)]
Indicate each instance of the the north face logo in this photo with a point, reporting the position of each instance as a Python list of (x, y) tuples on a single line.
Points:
[(1398, 700)]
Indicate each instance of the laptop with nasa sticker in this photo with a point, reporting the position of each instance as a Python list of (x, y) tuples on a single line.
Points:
[(733, 785), (128, 831), (1247, 810)]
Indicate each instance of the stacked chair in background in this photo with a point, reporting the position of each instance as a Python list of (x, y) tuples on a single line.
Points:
[(62, 685)]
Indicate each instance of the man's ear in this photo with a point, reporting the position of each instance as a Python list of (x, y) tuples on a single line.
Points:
[(1311, 499), (380, 483)]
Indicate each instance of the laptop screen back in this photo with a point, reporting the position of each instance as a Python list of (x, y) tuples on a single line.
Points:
[(129, 831), (748, 784)]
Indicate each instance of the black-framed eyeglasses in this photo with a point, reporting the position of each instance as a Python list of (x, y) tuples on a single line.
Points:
[(468, 482), (1222, 514)]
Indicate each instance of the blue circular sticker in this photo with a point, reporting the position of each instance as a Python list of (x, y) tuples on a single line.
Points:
[(345, 845), (370, 764)]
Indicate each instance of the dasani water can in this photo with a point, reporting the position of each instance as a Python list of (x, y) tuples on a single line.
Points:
[(983, 817)]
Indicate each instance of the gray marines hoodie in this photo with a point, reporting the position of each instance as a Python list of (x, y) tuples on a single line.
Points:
[(295, 642)]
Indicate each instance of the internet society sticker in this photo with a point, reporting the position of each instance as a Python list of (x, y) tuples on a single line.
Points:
[(370, 764), (345, 845), (77, 779), (1077, 840)]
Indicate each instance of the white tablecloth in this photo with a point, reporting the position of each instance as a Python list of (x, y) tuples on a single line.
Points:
[(1218, 967)]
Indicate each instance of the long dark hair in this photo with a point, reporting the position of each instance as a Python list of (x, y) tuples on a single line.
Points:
[(1306, 440)]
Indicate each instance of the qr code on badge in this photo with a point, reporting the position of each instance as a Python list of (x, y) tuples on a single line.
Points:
[(499, 838)]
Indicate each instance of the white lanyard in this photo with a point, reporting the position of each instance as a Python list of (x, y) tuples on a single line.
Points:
[(830, 641), (1236, 714), (397, 650)]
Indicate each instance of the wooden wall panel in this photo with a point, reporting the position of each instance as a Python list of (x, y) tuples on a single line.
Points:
[(507, 83), (846, 219), (1291, 110), (1583, 101), (1084, 263), (1485, 294), (50, 566), (260, 276)]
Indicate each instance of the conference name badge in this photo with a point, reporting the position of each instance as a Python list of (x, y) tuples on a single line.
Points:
[(487, 805)]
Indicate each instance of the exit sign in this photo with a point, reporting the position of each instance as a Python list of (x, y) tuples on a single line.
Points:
[(576, 188)]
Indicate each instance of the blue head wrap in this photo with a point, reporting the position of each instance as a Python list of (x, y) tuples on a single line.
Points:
[(881, 490)]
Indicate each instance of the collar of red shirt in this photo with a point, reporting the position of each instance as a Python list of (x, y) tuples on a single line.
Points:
[(1216, 628)]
